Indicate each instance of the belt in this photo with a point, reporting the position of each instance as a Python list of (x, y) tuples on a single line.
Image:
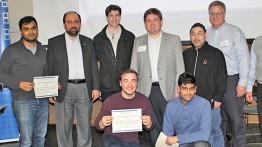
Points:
[(155, 84), (77, 81)]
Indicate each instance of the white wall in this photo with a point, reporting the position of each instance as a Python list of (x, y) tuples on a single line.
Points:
[(178, 15)]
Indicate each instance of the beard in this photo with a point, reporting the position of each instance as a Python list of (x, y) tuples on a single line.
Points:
[(73, 32), (29, 39)]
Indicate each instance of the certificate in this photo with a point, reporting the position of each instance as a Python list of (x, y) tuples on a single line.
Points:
[(161, 141), (126, 120), (46, 86)]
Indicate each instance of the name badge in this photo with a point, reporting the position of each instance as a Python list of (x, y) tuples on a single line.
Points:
[(141, 48), (224, 43)]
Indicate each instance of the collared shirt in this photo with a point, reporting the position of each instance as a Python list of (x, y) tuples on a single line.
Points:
[(232, 42), (153, 48), (255, 71), (114, 38), (75, 58), (191, 122)]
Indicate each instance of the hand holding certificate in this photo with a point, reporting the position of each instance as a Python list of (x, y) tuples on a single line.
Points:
[(46, 86), (126, 120)]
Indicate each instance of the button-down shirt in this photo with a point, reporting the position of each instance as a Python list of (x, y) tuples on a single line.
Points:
[(191, 122), (153, 48), (255, 71), (75, 58), (232, 42)]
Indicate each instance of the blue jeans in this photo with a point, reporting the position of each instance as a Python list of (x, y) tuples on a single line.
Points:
[(32, 118), (216, 138), (113, 141)]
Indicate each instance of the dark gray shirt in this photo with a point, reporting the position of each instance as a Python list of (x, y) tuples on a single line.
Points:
[(20, 64)]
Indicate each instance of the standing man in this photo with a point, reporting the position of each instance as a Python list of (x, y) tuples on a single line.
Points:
[(19, 64), (113, 47), (187, 119), (157, 57), (232, 42), (209, 67), (255, 73), (128, 98), (71, 56)]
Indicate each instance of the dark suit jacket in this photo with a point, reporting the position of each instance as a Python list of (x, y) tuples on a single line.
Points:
[(57, 63)]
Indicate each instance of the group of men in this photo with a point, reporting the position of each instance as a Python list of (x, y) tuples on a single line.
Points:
[(217, 67)]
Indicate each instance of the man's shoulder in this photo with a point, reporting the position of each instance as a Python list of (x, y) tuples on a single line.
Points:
[(58, 37), (169, 35), (85, 38), (201, 100)]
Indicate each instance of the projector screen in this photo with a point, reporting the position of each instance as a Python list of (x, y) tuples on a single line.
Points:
[(178, 16)]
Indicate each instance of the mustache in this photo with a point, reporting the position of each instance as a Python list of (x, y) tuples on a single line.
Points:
[(73, 28)]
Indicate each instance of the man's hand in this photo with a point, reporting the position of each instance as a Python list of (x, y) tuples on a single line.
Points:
[(95, 94), (216, 103), (105, 121), (26, 86), (241, 90), (249, 97), (171, 140), (52, 99), (59, 86), (146, 121)]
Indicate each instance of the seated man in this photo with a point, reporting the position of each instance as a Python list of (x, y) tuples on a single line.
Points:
[(127, 98), (187, 119)]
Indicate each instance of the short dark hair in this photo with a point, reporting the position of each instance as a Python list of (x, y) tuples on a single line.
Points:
[(69, 13), (112, 7), (26, 20), (198, 25), (153, 11), (129, 70), (217, 3), (186, 78)]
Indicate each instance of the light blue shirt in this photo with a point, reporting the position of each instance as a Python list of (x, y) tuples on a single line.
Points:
[(232, 42), (255, 70), (190, 122), (75, 58)]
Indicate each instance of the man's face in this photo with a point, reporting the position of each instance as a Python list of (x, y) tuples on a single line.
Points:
[(197, 37), (187, 92), (128, 83), (153, 24), (113, 18), (72, 24), (217, 16), (29, 31)]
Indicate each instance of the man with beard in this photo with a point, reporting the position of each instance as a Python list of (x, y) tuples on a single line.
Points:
[(71, 56), (128, 98), (19, 64)]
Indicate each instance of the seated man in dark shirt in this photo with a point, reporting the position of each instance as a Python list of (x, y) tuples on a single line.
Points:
[(128, 98)]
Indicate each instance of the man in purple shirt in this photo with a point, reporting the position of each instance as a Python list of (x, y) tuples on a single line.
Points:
[(128, 98)]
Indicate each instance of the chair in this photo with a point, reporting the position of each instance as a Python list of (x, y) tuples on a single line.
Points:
[(250, 109)]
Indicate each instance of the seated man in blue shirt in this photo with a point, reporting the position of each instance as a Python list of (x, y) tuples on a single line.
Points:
[(187, 119)]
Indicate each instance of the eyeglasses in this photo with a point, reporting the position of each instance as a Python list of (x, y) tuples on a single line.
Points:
[(188, 88), (197, 34), (216, 14), (73, 22)]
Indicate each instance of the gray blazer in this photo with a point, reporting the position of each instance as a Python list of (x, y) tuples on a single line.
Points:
[(57, 63), (170, 64)]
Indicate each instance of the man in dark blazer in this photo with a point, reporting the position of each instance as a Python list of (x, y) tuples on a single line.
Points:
[(71, 56), (157, 57)]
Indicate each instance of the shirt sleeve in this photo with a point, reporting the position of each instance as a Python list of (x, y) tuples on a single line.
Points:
[(168, 128), (252, 71), (243, 57), (6, 63)]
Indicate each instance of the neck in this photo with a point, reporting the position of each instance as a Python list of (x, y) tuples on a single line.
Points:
[(113, 30), (154, 36), (128, 96), (29, 44)]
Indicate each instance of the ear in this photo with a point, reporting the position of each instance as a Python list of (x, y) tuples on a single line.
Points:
[(120, 83), (178, 89)]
